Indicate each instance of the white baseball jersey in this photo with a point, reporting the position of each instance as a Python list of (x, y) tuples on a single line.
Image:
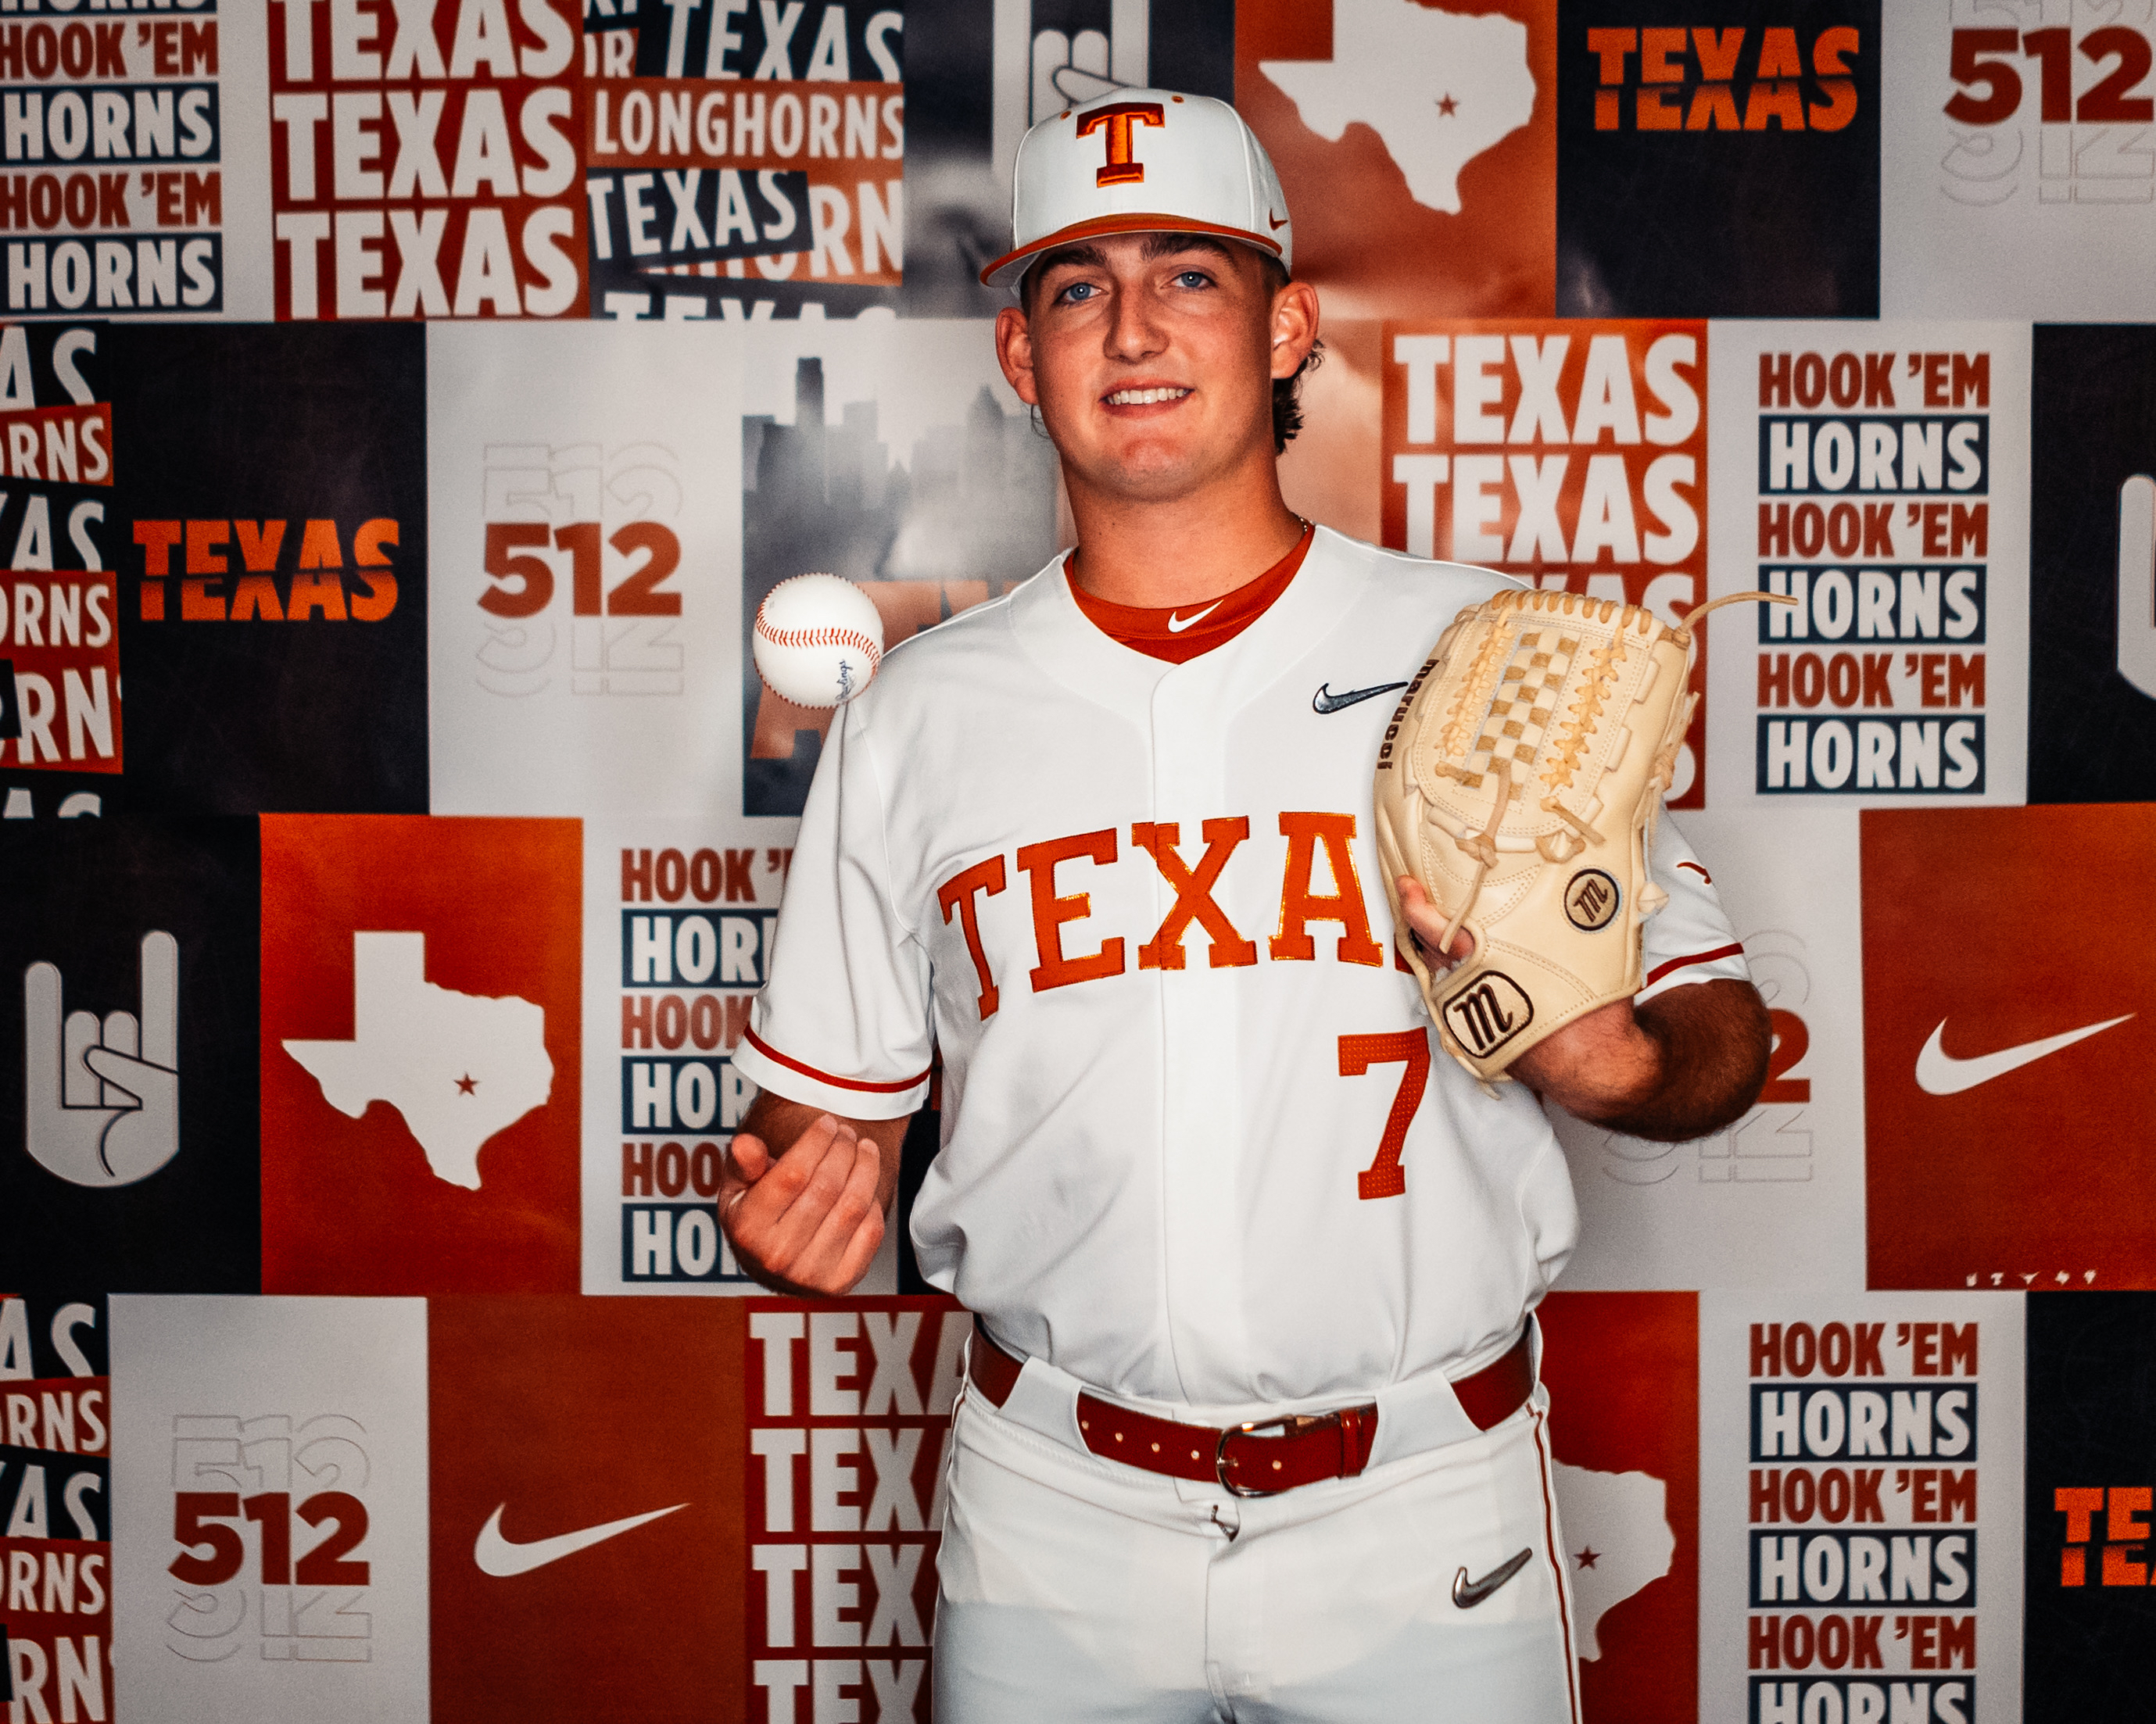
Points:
[(1200, 1145)]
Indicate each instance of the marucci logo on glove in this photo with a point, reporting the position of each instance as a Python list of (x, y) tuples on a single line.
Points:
[(1591, 899), (1489, 1012)]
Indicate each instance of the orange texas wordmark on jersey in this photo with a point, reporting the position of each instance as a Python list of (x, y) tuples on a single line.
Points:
[(1300, 903)]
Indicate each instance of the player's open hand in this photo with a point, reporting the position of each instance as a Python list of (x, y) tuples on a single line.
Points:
[(810, 1220), (1426, 925)]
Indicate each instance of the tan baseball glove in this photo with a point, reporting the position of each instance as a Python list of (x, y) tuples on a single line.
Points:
[(1519, 782)]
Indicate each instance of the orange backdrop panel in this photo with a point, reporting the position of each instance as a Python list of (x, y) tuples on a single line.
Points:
[(357, 1205)]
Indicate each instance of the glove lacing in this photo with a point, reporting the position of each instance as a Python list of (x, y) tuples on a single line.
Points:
[(1481, 847)]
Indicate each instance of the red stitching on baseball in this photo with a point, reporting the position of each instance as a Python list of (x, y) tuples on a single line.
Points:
[(821, 637)]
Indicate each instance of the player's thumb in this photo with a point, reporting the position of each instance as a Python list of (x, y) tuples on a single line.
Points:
[(751, 1158)]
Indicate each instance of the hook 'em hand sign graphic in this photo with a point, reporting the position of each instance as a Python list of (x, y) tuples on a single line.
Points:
[(127, 969)]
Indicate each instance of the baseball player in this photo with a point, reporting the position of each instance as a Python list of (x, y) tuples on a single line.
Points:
[(1252, 1430)]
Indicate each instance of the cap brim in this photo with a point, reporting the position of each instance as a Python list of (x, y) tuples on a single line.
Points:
[(1004, 270)]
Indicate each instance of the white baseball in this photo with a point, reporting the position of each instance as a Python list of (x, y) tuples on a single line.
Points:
[(818, 640)]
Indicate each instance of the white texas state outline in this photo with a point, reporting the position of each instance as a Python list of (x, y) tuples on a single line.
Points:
[(459, 1067), (1437, 87), (1619, 1521)]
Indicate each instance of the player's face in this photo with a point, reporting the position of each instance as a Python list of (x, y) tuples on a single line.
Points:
[(1151, 358)]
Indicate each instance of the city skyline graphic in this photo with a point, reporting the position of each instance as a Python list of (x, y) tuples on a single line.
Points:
[(967, 513)]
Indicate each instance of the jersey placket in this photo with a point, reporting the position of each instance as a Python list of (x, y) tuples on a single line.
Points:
[(1202, 1124)]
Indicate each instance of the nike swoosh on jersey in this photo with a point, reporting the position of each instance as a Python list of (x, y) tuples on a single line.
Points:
[(496, 1556), (1468, 1593), (1325, 701), (1176, 624), (1938, 1073)]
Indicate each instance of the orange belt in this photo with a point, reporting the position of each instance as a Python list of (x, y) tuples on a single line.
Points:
[(1268, 1455)]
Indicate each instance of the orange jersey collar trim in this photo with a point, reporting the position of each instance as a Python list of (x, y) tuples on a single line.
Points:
[(1180, 633)]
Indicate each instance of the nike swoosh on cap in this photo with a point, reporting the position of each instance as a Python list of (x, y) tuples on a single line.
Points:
[(1468, 1593), (496, 1556), (1278, 222), (1325, 701), (1176, 624), (1938, 1073)]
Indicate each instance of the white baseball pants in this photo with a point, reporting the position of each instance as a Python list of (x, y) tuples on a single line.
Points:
[(1075, 1588)]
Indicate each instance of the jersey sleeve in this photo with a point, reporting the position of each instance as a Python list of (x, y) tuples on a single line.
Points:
[(1690, 939), (843, 1021)]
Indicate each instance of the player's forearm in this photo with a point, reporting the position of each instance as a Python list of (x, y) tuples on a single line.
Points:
[(780, 1122), (1685, 1064)]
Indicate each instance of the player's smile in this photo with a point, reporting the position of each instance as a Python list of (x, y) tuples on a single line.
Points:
[(1146, 395)]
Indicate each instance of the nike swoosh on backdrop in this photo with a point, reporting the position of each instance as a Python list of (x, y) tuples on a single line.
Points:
[(496, 1556), (1468, 1593), (1938, 1073), (1325, 701), (1176, 624)]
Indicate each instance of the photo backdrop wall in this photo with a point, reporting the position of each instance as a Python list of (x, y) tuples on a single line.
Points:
[(403, 409)]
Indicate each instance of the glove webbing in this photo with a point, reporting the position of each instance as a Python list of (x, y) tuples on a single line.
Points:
[(1481, 847)]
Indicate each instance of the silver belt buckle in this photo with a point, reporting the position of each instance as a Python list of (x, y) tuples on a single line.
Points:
[(1288, 1424)]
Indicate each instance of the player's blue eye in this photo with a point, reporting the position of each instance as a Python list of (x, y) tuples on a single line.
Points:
[(1193, 278), (1077, 292)]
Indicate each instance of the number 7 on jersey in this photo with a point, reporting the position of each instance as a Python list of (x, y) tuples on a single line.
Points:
[(1383, 1177)]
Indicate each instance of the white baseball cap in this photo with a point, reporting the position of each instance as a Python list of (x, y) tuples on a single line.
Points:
[(1142, 161)]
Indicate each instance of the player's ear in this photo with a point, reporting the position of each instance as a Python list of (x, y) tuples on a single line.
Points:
[(1294, 326), (1014, 353)]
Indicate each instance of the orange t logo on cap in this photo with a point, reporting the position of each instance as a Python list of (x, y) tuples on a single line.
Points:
[(1121, 168)]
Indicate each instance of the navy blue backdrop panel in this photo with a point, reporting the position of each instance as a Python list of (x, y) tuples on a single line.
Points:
[(272, 630), (129, 943), (2091, 726), (1727, 168)]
